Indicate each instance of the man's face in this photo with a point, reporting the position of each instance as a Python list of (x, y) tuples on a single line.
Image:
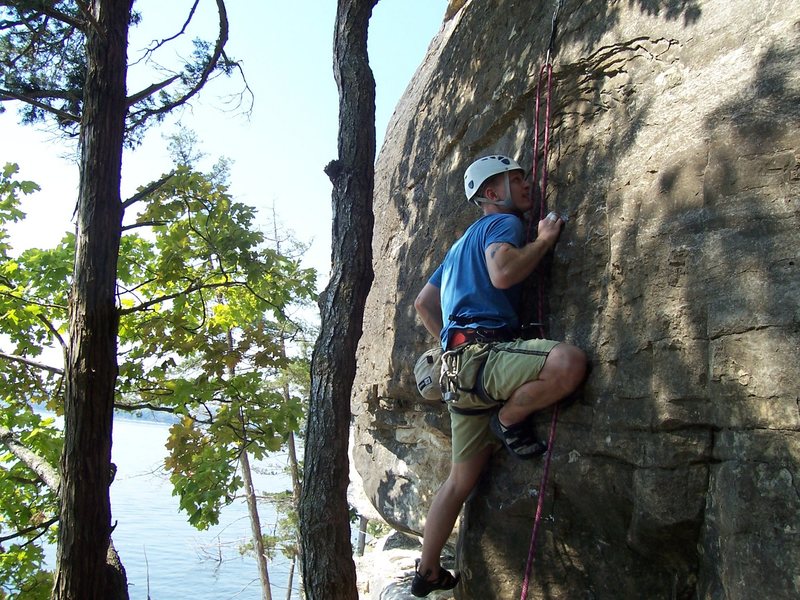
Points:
[(520, 190)]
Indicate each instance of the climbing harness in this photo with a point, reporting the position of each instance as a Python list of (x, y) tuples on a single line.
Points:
[(542, 146)]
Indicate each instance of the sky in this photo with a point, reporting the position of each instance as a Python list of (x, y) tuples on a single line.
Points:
[(279, 151)]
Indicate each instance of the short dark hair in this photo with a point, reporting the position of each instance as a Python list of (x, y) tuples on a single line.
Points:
[(488, 183)]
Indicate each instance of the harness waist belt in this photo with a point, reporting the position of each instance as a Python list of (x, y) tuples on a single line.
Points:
[(472, 411), (459, 337)]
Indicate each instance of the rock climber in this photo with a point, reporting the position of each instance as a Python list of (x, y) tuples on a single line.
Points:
[(470, 303)]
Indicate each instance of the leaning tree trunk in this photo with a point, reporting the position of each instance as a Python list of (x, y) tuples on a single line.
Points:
[(327, 554), (255, 524), (85, 528)]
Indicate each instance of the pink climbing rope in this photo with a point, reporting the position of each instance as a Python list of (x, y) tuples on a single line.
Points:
[(539, 504), (546, 72)]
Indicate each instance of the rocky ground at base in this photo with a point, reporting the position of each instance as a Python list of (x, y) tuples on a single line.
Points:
[(387, 568)]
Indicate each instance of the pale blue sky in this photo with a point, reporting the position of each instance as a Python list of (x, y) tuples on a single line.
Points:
[(279, 153)]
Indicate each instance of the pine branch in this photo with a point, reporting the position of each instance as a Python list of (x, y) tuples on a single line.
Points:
[(74, 95), (150, 90), (48, 10), (205, 74), (160, 43), (63, 116)]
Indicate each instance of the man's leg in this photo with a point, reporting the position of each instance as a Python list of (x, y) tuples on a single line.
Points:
[(446, 506), (563, 371)]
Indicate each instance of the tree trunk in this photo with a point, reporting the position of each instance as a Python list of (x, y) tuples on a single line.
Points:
[(362, 535), (85, 529), (255, 525), (250, 496), (290, 579), (327, 554), (296, 492), (294, 469)]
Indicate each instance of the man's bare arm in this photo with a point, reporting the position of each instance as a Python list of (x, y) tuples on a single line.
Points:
[(509, 265), (429, 309)]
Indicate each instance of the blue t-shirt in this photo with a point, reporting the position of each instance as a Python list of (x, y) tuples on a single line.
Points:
[(466, 291)]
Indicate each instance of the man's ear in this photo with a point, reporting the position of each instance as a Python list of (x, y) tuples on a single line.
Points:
[(490, 194)]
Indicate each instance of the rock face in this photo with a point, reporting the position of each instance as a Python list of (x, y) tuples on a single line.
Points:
[(676, 154)]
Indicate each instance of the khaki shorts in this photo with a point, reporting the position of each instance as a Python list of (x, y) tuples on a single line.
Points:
[(509, 365)]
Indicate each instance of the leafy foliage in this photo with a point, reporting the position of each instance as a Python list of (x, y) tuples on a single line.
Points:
[(42, 58), (43, 65), (205, 307), (28, 508), (24, 505)]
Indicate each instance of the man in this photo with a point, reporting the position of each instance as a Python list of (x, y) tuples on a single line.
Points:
[(470, 303)]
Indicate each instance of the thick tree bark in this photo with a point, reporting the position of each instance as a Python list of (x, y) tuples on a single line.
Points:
[(84, 534), (327, 554)]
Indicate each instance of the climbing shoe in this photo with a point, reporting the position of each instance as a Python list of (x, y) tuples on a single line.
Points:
[(421, 586), (519, 439)]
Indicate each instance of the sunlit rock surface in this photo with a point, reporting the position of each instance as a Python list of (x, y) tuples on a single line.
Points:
[(675, 154)]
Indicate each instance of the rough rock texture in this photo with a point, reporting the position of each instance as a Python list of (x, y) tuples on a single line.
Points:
[(387, 568), (676, 154)]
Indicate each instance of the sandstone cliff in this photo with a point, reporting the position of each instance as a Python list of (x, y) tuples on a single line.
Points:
[(676, 151)]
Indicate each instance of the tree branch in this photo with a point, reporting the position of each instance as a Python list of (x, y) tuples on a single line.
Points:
[(144, 406), (27, 530), (143, 224), (60, 94), (180, 33), (33, 302), (31, 363), (192, 288), (209, 68), (63, 115), (247, 90), (47, 9), (46, 473), (51, 328), (147, 190), (150, 90)]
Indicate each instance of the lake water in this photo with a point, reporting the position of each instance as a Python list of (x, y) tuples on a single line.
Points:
[(166, 558)]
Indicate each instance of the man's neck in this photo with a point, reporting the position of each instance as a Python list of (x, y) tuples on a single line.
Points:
[(499, 209)]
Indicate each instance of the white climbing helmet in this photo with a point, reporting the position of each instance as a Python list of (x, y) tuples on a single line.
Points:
[(484, 168)]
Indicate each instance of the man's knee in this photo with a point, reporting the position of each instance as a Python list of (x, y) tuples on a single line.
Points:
[(464, 475), (569, 363)]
